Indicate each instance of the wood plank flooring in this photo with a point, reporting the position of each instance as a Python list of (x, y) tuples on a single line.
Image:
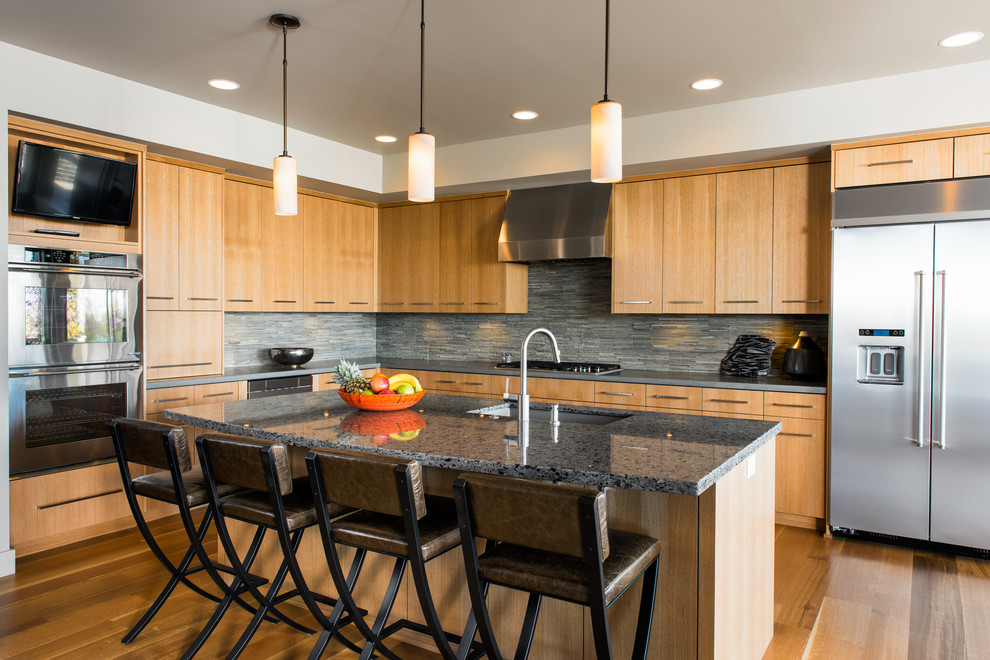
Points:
[(834, 598)]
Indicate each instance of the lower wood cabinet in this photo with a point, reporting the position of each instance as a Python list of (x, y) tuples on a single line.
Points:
[(801, 456), (182, 344), (158, 400)]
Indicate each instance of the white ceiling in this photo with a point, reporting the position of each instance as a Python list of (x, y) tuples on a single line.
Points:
[(353, 65)]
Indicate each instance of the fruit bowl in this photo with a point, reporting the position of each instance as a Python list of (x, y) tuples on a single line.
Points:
[(380, 401)]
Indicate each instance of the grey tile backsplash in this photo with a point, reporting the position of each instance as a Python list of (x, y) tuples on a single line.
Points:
[(569, 298)]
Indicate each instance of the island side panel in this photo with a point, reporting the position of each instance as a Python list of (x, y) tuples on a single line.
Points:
[(736, 551)]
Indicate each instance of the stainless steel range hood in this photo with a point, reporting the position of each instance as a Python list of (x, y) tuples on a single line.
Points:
[(556, 223)]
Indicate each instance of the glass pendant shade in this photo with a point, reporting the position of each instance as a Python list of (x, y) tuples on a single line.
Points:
[(284, 180), (421, 167), (606, 142)]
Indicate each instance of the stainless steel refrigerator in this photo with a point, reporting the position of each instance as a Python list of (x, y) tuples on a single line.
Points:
[(910, 362)]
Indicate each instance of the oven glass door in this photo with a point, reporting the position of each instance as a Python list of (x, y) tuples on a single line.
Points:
[(63, 418), (63, 318)]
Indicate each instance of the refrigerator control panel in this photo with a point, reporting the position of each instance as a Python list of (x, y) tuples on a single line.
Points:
[(881, 365)]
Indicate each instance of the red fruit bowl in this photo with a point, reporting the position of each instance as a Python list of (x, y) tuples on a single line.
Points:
[(380, 401)]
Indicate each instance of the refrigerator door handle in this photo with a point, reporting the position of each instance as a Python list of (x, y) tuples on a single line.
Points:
[(920, 408), (940, 314)]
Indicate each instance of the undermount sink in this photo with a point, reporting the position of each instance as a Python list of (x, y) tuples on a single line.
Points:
[(511, 411)]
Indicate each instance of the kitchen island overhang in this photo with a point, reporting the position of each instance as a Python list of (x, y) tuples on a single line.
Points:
[(702, 485)]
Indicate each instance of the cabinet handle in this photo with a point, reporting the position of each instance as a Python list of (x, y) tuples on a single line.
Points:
[(685, 302), (474, 383), (358, 302), (798, 435), (283, 301), (188, 364), (727, 401), (324, 302), (200, 298), (57, 232), (210, 396), (619, 393), (159, 298), (800, 301), (736, 302), (445, 381), (178, 398), (240, 299), (421, 303), (664, 396), (395, 303), (486, 303), (42, 507), (452, 303), (636, 302), (891, 162), (792, 405)]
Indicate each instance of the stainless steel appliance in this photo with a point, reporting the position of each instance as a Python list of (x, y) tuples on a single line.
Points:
[(910, 405), (74, 353), (259, 389)]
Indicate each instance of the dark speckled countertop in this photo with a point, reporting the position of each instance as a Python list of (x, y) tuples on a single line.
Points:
[(639, 450)]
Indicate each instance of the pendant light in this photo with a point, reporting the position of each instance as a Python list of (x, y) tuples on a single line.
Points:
[(422, 145), (606, 130), (284, 166)]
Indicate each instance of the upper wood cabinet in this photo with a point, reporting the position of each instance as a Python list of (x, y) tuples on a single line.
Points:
[(282, 271), (972, 156), (183, 231), (922, 160), (242, 246), (496, 286), (393, 259), (743, 246), (181, 344), (455, 255), (802, 213), (339, 256), (409, 253), (689, 245), (637, 247)]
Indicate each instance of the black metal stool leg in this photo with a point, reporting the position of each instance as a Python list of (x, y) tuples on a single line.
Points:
[(646, 602), (386, 608), (345, 603), (529, 626)]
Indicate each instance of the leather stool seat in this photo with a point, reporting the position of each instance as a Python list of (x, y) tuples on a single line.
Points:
[(565, 577), (437, 529), (158, 486), (255, 506)]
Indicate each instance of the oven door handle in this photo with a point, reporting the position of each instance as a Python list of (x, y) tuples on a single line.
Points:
[(69, 372), (109, 272)]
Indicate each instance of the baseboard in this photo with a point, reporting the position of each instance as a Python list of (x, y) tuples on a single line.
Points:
[(7, 562), (796, 520)]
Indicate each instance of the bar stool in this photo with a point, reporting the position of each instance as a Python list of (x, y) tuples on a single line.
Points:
[(394, 518), (271, 500), (552, 540), (165, 447)]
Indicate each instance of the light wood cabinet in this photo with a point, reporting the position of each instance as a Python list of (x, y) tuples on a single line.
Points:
[(550, 390), (393, 259), (455, 256), (409, 251), (183, 230), (802, 212), (496, 287), (722, 400), (923, 160), (801, 456), (182, 344), (744, 242), (689, 245), (158, 400), (971, 156), (620, 395), (637, 247), (242, 246), (673, 398), (282, 267), (339, 256)]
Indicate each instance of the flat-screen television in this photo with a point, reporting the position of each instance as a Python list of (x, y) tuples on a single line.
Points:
[(69, 185)]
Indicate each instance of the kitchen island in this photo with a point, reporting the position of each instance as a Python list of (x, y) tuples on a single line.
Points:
[(702, 485)]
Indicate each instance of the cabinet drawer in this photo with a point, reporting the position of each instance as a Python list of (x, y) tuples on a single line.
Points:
[(624, 394), (444, 381), (800, 471), (972, 156), (893, 163), (790, 404), (562, 389), (475, 384), (169, 397), (673, 397), (719, 400), (217, 392)]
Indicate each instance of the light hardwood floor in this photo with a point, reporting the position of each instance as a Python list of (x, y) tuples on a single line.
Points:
[(834, 598)]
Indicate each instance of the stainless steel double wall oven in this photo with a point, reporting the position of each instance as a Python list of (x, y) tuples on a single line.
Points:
[(74, 352)]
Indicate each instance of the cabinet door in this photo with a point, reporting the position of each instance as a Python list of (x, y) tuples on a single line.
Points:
[(200, 239), (161, 236), (620, 395), (282, 240), (743, 246), (689, 245), (924, 160), (674, 398), (356, 271), (323, 273), (393, 255), (732, 402), (183, 344), (637, 247), (800, 472), (242, 247), (971, 156), (488, 275), (456, 256), (802, 211), (424, 258)]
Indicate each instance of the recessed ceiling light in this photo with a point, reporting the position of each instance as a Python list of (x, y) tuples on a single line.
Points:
[(386, 138), (961, 39), (525, 114), (706, 83), (222, 83)]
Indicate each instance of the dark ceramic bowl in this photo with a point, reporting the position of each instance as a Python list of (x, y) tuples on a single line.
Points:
[(291, 357)]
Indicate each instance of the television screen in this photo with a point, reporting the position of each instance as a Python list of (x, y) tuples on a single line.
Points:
[(57, 183)]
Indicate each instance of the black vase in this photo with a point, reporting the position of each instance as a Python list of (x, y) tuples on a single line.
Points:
[(804, 360)]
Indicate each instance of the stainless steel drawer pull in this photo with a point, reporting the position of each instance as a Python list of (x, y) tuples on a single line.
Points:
[(727, 401), (210, 396), (283, 301), (421, 303), (159, 298), (188, 364), (665, 396), (800, 301), (486, 303), (358, 302), (453, 303), (636, 302), (685, 302), (619, 393), (793, 405), (798, 435), (393, 303), (324, 302), (891, 162), (740, 302), (79, 499), (201, 298), (177, 398), (240, 299), (474, 383), (445, 381)]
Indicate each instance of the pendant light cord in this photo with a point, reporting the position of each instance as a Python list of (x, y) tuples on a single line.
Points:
[(285, 94), (422, 59), (607, 14)]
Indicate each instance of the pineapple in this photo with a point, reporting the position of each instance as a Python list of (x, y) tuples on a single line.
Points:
[(349, 377)]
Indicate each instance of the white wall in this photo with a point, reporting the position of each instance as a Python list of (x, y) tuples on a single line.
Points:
[(909, 103), (6, 554)]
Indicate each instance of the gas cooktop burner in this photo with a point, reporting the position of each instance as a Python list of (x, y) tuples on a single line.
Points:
[(574, 367)]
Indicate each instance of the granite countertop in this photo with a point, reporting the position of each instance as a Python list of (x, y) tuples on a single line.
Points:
[(647, 451), (772, 383)]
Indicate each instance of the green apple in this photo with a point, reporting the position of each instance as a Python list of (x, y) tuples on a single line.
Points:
[(404, 388), (367, 392)]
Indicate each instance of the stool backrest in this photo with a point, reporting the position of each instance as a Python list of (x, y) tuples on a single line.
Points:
[(144, 443), (239, 461), (364, 480), (532, 514)]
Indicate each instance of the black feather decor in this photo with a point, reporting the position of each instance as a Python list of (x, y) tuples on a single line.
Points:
[(749, 356)]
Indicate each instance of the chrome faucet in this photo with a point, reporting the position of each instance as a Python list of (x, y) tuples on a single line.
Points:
[(523, 396)]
